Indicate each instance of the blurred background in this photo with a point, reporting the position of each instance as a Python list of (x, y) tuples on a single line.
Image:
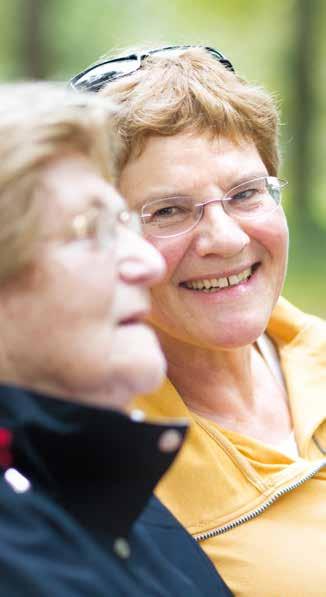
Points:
[(279, 44)]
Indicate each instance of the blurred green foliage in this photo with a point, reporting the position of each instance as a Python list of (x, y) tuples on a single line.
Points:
[(265, 42)]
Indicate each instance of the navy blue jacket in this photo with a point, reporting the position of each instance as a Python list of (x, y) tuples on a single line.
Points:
[(77, 514)]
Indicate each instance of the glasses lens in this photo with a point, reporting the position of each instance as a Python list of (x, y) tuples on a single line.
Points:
[(221, 58), (131, 220), (254, 198), (95, 77), (106, 227), (169, 216)]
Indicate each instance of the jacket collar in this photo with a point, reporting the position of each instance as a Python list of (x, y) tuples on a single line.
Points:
[(233, 482), (100, 464), (301, 341)]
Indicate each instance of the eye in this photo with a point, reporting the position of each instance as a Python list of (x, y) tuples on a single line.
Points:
[(245, 195), (248, 196), (93, 225), (85, 225), (254, 197), (166, 211)]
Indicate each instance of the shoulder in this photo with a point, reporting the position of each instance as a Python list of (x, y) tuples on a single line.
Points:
[(162, 531), (289, 325), (43, 551)]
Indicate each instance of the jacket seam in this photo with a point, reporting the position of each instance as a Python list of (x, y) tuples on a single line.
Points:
[(258, 483), (212, 523)]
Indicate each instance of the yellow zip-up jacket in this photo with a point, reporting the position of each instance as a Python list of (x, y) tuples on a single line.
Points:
[(259, 515)]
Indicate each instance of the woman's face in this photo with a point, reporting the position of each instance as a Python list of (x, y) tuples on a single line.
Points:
[(218, 247), (75, 315)]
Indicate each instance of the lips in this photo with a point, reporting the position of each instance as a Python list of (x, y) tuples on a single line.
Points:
[(133, 318), (214, 284)]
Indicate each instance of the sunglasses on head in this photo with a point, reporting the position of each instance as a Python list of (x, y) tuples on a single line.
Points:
[(95, 77)]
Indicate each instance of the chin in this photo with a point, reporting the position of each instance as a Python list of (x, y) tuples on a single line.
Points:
[(117, 387), (138, 365), (148, 377), (243, 331)]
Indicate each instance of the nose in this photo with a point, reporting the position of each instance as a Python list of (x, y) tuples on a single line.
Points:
[(218, 233), (138, 261)]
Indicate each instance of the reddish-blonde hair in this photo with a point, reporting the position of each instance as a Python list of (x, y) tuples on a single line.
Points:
[(191, 90)]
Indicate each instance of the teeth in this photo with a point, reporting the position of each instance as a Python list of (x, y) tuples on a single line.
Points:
[(233, 280), (210, 284), (223, 282)]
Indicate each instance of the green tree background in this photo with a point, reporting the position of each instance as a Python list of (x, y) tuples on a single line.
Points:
[(279, 44)]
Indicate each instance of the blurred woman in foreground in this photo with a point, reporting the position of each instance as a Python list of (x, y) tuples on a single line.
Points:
[(73, 293), (199, 161)]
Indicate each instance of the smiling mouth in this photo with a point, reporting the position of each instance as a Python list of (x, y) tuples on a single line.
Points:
[(217, 284)]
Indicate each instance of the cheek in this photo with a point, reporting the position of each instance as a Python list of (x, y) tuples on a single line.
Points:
[(172, 250), (162, 294), (79, 285), (273, 235)]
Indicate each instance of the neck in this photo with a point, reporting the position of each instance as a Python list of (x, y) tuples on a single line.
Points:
[(229, 387), (195, 370)]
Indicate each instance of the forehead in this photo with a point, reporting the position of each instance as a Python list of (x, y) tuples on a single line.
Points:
[(72, 183), (186, 162)]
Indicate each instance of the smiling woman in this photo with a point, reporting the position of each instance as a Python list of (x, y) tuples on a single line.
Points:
[(199, 161), (218, 247)]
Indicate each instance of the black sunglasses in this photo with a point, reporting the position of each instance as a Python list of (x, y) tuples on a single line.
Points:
[(96, 76)]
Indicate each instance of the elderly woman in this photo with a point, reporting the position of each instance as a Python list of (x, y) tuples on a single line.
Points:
[(199, 162), (73, 286)]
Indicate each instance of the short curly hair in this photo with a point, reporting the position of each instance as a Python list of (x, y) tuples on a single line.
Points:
[(191, 90), (39, 121)]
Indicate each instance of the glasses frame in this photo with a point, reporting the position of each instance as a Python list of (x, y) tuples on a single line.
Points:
[(95, 84), (106, 225), (223, 200)]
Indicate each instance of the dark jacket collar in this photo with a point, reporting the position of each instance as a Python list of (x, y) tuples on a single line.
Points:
[(100, 464)]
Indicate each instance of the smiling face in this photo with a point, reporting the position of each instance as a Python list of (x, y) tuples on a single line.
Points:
[(72, 320), (245, 260)]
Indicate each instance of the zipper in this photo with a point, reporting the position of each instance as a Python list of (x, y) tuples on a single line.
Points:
[(247, 517)]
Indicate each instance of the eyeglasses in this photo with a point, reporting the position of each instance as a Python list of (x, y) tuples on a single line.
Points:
[(96, 76), (171, 216), (101, 225)]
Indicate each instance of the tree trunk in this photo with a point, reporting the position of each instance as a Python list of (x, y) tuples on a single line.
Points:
[(33, 39), (303, 107)]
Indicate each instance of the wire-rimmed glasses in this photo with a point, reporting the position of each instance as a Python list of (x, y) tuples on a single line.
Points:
[(171, 216), (101, 225)]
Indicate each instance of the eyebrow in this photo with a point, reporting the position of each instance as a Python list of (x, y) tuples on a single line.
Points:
[(115, 205), (162, 194), (166, 193), (247, 177)]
